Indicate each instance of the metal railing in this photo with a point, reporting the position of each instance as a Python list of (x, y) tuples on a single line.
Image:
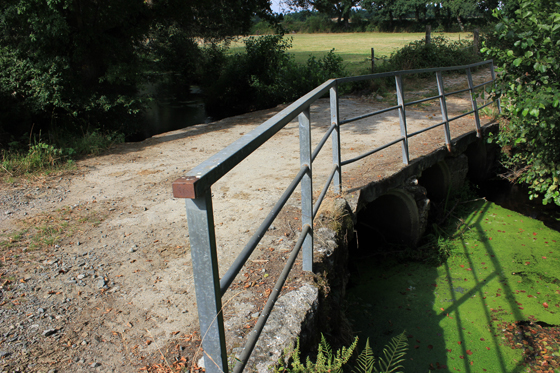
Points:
[(195, 188)]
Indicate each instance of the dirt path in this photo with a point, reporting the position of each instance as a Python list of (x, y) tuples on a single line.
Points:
[(95, 270)]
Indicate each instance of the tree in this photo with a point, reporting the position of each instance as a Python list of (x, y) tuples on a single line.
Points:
[(76, 63), (342, 10), (449, 9), (528, 56), (461, 9)]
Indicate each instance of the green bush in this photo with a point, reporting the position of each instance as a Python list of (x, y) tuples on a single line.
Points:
[(441, 52), (528, 57), (262, 77), (62, 73), (262, 28)]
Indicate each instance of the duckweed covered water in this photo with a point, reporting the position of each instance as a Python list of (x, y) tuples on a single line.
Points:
[(503, 268)]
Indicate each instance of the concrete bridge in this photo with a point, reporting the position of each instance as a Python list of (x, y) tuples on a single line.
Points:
[(394, 197)]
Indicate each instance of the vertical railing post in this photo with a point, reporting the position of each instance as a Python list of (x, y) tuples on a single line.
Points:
[(372, 60), (474, 104), (443, 105), (494, 79), (402, 118), (200, 218), (306, 187), (335, 120)]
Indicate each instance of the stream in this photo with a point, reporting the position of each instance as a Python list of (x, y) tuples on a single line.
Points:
[(467, 313), (166, 114)]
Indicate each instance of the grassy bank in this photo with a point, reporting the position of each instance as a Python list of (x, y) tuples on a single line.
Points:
[(474, 312)]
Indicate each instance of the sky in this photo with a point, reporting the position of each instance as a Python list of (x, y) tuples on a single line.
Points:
[(276, 6)]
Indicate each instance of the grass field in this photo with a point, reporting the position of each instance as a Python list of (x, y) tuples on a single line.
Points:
[(355, 48)]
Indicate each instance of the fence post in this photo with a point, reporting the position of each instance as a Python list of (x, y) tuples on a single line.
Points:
[(372, 60), (306, 187), (200, 218), (402, 118), (443, 105), (428, 34), (474, 104), (335, 136), (476, 41), (494, 79)]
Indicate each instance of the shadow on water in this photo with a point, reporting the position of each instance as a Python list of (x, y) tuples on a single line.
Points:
[(166, 113), (515, 197), (454, 313), (386, 298)]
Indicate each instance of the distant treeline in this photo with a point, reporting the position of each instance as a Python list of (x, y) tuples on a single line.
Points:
[(311, 16)]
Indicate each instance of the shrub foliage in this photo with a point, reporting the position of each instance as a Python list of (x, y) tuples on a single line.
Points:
[(262, 77), (441, 52), (528, 56)]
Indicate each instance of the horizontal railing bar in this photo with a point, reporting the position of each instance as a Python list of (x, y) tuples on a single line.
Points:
[(344, 163), (256, 332), (483, 106), (482, 84), (420, 101), (324, 191), (241, 259), (461, 115), (211, 170), (408, 72), (425, 129), (322, 142), (456, 92), (369, 114)]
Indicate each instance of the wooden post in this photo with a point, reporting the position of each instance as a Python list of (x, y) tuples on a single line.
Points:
[(372, 61), (476, 41), (428, 34)]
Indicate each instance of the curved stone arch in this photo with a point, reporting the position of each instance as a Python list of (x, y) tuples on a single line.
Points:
[(436, 180), (393, 216)]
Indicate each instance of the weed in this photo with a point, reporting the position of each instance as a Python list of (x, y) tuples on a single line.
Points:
[(57, 154), (49, 229)]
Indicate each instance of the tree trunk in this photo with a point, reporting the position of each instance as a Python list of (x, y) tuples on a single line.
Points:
[(460, 23)]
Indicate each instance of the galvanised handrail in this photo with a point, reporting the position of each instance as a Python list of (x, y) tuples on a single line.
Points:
[(195, 188)]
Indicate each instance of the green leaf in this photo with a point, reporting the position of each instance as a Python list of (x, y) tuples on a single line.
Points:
[(366, 360), (517, 61), (394, 354)]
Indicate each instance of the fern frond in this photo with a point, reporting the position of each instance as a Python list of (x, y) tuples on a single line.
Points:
[(324, 354), (342, 357), (394, 352), (366, 360), (326, 348)]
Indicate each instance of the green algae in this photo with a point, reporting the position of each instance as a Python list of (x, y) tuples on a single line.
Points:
[(503, 268)]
